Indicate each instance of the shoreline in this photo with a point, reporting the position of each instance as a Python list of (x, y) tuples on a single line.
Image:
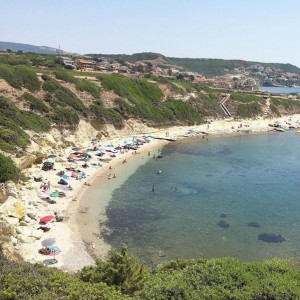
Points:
[(76, 239)]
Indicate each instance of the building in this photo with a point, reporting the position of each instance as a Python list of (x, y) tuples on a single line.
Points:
[(66, 62), (85, 64)]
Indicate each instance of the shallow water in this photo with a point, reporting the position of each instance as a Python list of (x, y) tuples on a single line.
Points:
[(237, 180)]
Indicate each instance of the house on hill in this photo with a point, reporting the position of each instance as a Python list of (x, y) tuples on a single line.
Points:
[(67, 62), (86, 64)]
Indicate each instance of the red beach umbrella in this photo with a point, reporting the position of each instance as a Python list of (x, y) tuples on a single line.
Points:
[(46, 219)]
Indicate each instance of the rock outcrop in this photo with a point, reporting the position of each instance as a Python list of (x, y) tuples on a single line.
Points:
[(13, 207)]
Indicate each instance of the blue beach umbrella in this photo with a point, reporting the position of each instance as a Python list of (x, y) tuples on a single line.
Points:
[(52, 156), (75, 149)]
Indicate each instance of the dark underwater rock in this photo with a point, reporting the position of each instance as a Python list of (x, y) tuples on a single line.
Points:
[(223, 216), (253, 224), (271, 238), (223, 224)]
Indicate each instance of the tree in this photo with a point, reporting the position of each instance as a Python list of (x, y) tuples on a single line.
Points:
[(20, 52), (121, 270), (9, 51), (180, 76)]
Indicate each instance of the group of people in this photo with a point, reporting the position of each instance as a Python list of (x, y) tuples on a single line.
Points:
[(46, 186)]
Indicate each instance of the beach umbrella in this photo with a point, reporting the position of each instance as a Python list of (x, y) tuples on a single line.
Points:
[(46, 219), (50, 161), (54, 248), (48, 242), (75, 149), (52, 156), (64, 176)]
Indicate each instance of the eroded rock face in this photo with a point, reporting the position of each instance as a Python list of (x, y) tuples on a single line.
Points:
[(3, 193), (13, 207), (7, 189)]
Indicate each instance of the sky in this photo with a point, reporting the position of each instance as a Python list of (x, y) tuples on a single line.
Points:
[(257, 30)]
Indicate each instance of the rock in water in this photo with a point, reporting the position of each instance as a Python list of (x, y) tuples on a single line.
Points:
[(223, 216), (253, 224), (271, 238), (223, 224)]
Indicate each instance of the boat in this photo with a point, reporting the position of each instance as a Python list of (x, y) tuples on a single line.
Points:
[(280, 129)]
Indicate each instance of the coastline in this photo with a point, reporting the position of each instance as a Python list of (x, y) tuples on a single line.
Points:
[(79, 242)]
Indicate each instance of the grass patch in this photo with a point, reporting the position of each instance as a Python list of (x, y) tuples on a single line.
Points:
[(246, 98), (250, 110), (89, 86)]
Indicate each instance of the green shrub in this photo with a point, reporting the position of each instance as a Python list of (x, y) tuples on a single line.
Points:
[(65, 116), (121, 270), (106, 115), (58, 95), (65, 76), (20, 76), (88, 86), (8, 170), (35, 103), (13, 121)]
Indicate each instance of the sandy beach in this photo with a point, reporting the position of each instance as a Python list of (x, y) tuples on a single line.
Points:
[(78, 235)]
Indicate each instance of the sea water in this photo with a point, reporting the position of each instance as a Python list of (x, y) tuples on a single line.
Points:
[(235, 179), (280, 89)]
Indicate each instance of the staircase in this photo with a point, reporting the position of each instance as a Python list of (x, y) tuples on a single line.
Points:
[(222, 104)]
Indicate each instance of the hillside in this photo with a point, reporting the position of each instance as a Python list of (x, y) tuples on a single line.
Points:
[(30, 48), (37, 96), (206, 66)]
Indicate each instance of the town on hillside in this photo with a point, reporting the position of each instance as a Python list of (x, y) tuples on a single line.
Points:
[(246, 78)]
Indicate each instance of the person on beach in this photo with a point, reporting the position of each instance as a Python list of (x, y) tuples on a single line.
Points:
[(110, 167), (45, 186), (48, 185), (149, 153), (154, 156), (153, 188), (109, 176), (114, 176)]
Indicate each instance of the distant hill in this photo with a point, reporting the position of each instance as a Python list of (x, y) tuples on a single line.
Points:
[(206, 66), (30, 48), (214, 67)]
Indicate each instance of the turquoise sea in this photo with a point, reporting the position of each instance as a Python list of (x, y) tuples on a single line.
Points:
[(234, 179)]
